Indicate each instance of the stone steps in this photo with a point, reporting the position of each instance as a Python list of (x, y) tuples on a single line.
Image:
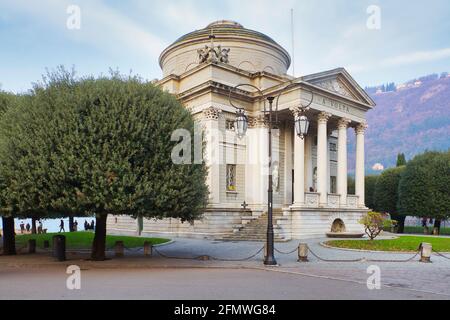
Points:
[(256, 230)]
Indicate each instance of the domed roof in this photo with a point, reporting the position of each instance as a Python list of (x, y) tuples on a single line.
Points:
[(229, 34), (224, 28)]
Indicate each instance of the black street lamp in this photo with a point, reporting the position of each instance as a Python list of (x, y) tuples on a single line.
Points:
[(241, 125)]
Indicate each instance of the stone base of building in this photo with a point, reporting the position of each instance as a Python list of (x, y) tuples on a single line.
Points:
[(290, 224), (301, 223), (215, 223)]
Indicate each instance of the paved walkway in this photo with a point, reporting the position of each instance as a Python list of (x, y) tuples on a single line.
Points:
[(410, 276)]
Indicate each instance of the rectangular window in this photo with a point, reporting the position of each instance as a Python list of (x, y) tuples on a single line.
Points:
[(333, 187), (231, 177), (333, 147), (229, 125)]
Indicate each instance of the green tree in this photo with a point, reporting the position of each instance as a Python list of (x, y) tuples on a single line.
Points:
[(386, 194), (424, 187), (97, 147), (370, 183), (350, 185), (7, 101), (401, 160)]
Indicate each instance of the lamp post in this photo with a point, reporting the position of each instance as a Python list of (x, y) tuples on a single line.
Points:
[(241, 125)]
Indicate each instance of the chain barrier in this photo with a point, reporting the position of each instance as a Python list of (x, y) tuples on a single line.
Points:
[(363, 259), (237, 260), (133, 249), (284, 252), (201, 257), (440, 254)]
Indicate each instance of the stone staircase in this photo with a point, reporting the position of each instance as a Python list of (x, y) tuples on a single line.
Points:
[(255, 229)]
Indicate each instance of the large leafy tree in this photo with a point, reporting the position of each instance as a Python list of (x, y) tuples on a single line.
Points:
[(103, 146), (7, 101), (370, 183), (424, 187), (386, 194)]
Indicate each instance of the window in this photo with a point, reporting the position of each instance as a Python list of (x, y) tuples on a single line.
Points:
[(333, 186), (333, 147), (231, 177), (229, 125)]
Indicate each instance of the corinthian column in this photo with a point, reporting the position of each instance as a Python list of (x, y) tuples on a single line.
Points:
[(359, 171), (322, 157), (212, 152), (342, 160)]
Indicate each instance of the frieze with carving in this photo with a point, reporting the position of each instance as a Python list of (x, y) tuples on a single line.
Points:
[(335, 86), (212, 113)]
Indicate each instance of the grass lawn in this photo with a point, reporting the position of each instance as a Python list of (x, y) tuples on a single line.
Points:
[(403, 243), (83, 240), (419, 230)]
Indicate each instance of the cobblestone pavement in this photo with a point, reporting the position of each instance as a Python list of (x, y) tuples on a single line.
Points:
[(413, 276)]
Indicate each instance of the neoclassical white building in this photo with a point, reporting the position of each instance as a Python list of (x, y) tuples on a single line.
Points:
[(310, 174)]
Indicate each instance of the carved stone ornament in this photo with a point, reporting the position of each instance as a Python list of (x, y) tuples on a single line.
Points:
[(334, 86), (213, 54), (323, 117), (343, 123), (212, 113), (257, 122), (361, 128)]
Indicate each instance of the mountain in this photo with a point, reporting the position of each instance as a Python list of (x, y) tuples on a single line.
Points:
[(408, 118)]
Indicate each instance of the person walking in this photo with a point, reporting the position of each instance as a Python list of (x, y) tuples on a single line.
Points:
[(61, 226), (22, 227), (28, 227)]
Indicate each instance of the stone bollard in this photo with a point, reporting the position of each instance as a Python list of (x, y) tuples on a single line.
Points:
[(59, 247), (46, 244), (425, 252), (148, 249), (119, 249), (303, 252), (32, 246)]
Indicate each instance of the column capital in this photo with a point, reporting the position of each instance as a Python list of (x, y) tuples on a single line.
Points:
[(298, 110), (323, 117), (257, 122), (361, 127), (343, 123), (212, 113)]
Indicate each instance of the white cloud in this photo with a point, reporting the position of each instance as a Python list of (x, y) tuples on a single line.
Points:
[(101, 26), (378, 167)]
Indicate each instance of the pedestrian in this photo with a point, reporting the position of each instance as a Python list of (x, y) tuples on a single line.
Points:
[(28, 227), (40, 227), (61, 226), (22, 227), (86, 225), (75, 226), (92, 225), (424, 222)]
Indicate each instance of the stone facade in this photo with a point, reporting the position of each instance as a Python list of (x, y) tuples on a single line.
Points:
[(310, 175)]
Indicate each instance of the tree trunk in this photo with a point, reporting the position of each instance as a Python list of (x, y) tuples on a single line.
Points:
[(99, 243), (71, 228), (437, 227), (9, 242), (401, 223), (33, 225)]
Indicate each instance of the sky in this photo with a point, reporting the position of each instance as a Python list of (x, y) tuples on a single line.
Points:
[(376, 41)]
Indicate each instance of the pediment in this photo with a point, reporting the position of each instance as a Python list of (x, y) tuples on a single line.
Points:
[(340, 82)]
